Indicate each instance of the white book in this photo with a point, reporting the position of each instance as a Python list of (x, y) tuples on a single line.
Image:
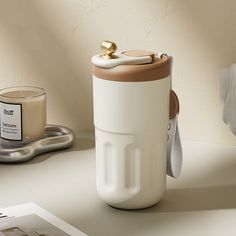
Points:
[(31, 220)]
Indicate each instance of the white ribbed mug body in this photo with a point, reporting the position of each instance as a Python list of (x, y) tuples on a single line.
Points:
[(131, 120)]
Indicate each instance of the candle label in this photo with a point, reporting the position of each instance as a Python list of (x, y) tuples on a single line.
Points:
[(11, 121)]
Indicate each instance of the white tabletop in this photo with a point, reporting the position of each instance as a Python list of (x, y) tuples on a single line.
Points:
[(201, 202)]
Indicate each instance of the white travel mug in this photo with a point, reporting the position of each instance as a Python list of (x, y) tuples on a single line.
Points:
[(135, 116)]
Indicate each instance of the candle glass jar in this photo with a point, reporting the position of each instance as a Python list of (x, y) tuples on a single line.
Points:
[(23, 115)]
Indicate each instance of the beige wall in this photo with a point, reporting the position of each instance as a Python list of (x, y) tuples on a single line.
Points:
[(49, 43)]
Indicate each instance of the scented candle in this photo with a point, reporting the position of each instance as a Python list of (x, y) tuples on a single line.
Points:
[(23, 115)]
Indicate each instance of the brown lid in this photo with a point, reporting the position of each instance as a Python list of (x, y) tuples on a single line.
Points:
[(157, 68)]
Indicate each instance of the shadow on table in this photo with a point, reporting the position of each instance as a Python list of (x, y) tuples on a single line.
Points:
[(178, 207), (216, 190), (196, 199)]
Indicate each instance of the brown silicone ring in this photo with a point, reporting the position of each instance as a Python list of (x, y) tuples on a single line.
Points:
[(174, 105)]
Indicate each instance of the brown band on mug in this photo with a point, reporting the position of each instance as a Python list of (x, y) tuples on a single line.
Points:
[(156, 70), (174, 105)]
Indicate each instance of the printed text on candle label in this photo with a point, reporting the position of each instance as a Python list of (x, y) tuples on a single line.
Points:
[(11, 123)]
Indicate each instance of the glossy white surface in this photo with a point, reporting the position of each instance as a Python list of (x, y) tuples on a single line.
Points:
[(200, 202)]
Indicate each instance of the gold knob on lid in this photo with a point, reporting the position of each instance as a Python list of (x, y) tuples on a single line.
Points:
[(108, 48)]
